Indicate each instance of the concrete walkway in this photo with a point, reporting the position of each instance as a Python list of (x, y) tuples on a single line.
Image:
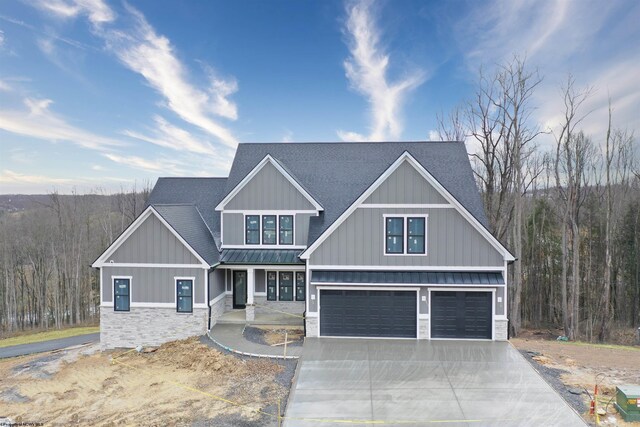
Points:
[(230, 337), (40, 347)]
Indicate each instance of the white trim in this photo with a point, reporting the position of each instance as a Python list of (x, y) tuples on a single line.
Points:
[(405, 206), (405, 233), (468, 289), (101, 292), (113, 292), (254, 172), (218, 298), (268, 267), (101, 261), (496, 269), (422, 316), (270, 211), (262, 247), (422, 285), (260, 294), (431, 180), (153, 305), (277, 245), (193, 291), (139, 265)]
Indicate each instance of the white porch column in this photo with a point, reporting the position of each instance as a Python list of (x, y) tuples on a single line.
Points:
[(250, 309)]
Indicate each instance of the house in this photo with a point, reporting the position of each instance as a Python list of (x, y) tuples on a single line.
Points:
[(366, 239)]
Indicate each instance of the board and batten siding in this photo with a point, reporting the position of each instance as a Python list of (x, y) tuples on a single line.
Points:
[(153, 242), (233, 232), (269, 190), (451, 241), (405, 185), (153, 284), (216, 283)]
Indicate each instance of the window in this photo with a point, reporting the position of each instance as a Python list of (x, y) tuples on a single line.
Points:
[(286, 286), (271, 285), (185, 295), (395, 235), (252, 226), (415, 235), (269, 230), (121, 292), (286, 229), (300, 291)]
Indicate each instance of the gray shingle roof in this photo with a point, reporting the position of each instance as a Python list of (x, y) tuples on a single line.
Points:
[(261, 256), (417, 277), (336, 174)]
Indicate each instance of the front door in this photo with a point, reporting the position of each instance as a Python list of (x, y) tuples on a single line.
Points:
[(239, 289)]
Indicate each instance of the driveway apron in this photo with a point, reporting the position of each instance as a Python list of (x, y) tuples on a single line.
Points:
[(408, 382)]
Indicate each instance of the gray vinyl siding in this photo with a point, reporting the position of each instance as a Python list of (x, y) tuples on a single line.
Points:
[(451, 241), (233, 229), (154, 284), (233, 224), (260, 280), (152, 242), (216, 283), (405, 185), (269, 189)]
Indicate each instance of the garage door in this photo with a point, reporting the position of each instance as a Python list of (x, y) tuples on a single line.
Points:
[(461, 315), (351, 313)]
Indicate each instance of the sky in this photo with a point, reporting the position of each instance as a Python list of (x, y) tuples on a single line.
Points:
[(102, 95)]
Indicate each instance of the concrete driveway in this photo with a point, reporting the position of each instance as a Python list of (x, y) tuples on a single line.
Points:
[(407, 382), (42, 346)]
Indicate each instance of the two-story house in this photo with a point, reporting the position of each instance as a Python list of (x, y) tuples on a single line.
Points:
[(366, 239)]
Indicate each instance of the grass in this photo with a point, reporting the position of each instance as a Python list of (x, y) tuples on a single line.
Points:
[(48, 335), (611, 346)]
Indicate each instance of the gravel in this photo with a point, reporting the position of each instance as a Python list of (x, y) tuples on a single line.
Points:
[(552, 377)]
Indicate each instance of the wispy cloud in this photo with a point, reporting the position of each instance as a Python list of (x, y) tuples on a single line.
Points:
[(11, 177), (164, 166), (367, 69), (38, 121), (12, 182), (97, 11)]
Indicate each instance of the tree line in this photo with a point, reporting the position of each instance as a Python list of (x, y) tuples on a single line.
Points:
[(570, 213), (46, 251)]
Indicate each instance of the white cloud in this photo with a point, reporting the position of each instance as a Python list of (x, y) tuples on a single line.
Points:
[(38, 121), (144, 51), (163, 166), (97, 11), (367, 69), (1, 38), (434, 135)]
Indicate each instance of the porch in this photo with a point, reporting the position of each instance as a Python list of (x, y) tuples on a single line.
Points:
[(262, 316)]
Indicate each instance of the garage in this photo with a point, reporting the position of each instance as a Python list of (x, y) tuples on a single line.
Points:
[(462, 314), (368, 313)]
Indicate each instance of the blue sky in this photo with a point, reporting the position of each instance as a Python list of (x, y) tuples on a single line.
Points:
[(105, 94)]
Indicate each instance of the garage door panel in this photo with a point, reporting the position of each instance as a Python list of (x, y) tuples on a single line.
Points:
[(368, 313), (461, 315)]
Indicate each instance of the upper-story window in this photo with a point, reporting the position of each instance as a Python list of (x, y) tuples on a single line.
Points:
[(269, 229), (405, 235)]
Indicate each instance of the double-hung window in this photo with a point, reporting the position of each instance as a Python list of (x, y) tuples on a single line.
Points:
[(286, 286), (286, 229), (269, 232), (184, 293), (300, 288), (405, 235), (271, 286), (121, 294), (252, 227)]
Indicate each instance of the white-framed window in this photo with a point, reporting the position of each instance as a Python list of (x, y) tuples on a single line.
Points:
[(184, 294), (121, 293), (269, 229), (405, 234)]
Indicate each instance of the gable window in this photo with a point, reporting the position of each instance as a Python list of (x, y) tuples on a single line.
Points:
[(184, 300), (122, 294), (269, 236), (286, 286), (300, 288), (286, 229), (395, 235), (252, 227), (415, 235), (271, 286)]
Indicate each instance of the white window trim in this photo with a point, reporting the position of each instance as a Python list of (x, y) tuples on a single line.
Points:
[(405, 246), (113, 293), (278, 245), (193, 292)]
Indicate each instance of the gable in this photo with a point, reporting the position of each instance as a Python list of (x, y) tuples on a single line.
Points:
[(269, 189), (405, 186), (152, 242)]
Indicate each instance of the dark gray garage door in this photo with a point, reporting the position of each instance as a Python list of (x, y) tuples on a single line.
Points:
[(460, 314), (368, 313)]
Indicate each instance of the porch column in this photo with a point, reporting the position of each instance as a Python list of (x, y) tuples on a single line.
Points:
[(250, 308)]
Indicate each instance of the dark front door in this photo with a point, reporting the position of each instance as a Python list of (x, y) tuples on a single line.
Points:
[(367, 313), (239, 289), (461, 315)]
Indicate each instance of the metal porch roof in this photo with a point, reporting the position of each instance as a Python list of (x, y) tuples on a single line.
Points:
[(409, 277), (260, 256)]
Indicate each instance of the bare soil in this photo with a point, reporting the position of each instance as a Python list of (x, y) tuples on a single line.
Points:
[(275, 335), (578, 365), (180, 383)]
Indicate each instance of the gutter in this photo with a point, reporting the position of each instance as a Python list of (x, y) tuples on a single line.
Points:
[(213, 267)]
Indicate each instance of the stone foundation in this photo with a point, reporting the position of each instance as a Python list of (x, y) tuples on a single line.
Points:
[(264, 307), (148, 326), (217, 309), (423, 329), (501, 330), (312, 326)]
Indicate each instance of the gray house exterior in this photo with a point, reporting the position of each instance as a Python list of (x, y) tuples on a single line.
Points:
[(364, 239)]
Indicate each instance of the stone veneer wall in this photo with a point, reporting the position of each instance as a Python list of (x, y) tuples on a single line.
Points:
[(294, 307), (148, 326), (423, 329), (312, 326), (501, 329)]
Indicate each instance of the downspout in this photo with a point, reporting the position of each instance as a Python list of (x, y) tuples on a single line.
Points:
[(213, 267)]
